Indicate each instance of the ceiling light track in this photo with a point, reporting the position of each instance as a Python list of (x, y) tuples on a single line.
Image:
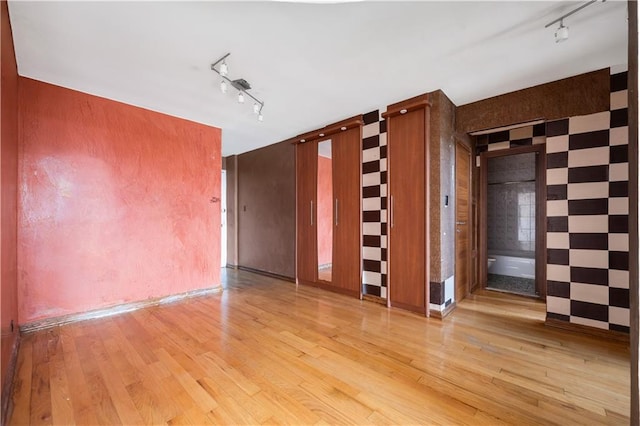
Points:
[(562, 33), (240, 84)]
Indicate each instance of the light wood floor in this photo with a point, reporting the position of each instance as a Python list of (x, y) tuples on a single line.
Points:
[(266, 352)]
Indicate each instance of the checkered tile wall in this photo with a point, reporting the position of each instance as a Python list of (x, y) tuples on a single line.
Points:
[(374, 205), (587, 211), (588, 216)]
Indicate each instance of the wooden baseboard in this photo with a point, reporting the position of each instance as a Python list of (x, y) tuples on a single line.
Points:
[(416, 309), (7, 386), (114, 310), (265, 273), (374, 299), (591, 331), (442, 314), (331, 288)]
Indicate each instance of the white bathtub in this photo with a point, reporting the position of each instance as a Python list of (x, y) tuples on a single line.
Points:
[(512, 266)]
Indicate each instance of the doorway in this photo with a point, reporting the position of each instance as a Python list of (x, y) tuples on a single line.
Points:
[(512, 225)]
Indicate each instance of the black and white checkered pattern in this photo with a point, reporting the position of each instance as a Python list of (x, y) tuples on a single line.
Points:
[(374, 205), (587, 210), (588, 216)]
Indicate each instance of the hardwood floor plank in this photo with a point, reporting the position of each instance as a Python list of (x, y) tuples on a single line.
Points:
[(267, 351), (40, 382), (22, 382), (61, 407)]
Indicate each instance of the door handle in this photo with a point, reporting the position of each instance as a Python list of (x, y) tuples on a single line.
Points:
[(461, 223), (311, 212), (336, 212)]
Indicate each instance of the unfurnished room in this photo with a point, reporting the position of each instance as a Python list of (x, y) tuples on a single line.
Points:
[(319, 212)]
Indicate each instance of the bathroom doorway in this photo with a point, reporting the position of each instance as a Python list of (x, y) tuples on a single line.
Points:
[(512, 194)]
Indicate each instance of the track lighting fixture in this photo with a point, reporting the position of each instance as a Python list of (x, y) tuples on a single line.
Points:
[(241, 85), (562, 33)]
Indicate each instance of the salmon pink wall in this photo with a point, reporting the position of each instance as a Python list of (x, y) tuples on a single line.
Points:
[(8, 198), (325, 211), (114, 203)]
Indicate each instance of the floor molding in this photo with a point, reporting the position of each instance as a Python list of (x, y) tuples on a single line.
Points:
[(374, 299), (7, 386), (442, 314), (592, 331), (115, 310), (265, 273)]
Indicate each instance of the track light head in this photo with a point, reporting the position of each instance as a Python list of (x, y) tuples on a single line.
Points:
[(224, 70), (241, 97), (562, 33), (223, 86)]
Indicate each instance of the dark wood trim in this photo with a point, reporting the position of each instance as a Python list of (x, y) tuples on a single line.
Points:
[(408, 105), (267, 274), (424, 103), (7, 386), (442, 314), (469, 214), (541, 221), (541, 213), (417, 309), (361, 260), (482, 223), (325, 286), (590, 331), (634, 254), (331, 129)]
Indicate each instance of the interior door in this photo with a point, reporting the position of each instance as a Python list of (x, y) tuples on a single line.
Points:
[(463, 216), (306, 171), (346, 217), (407, 219)]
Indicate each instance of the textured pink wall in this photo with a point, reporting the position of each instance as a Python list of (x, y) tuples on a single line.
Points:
[(114, 203), (9, 155), (325, 210)]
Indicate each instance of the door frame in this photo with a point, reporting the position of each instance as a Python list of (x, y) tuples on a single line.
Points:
[(467, 286), (541, 214), (223, 220)]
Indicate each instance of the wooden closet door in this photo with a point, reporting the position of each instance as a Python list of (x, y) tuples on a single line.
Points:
[(306, 176), (346, 150), (407, 215)]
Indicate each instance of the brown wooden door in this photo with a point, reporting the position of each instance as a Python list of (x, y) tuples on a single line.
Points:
[(306, 171), (463, 246), (406, 208), (345, 151)]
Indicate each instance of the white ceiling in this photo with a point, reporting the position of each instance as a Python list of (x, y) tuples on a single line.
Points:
[(312, 64)]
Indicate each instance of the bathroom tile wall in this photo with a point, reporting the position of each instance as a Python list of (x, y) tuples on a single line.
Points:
[(511, 204)]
